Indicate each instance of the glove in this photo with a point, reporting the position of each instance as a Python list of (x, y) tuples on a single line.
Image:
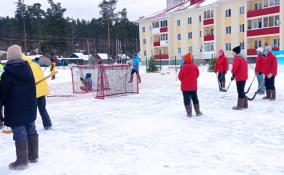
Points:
[(269, 75), (233, 77)]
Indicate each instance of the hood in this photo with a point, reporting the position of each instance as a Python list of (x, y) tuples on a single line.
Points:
[(188, 58), (242, 56), (19, 69), (221, 53)]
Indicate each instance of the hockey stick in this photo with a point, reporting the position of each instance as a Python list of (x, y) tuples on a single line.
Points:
[(45, 78), (228, 86), (9, 131), (250, 85), (251, 99)]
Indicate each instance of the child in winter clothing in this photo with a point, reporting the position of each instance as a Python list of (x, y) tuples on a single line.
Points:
[(259, 70), (270, 71), (188, 76), (53, 68), (18, 96), (221, 66), (87, 82), (240, 73), (135, 68)]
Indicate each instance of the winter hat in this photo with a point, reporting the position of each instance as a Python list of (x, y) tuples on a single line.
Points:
[(14, 52), (260, 49), (188, 58), (268, 48), (237, 50)]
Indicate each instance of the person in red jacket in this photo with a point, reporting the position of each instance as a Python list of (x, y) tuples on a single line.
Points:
[(259, 70), (188, 76), (221, 66), (240, 73), (270, 71)]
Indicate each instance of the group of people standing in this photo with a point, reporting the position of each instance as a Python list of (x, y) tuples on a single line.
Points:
[(265, 71), (21, 95)]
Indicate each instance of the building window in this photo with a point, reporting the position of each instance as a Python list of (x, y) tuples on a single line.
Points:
[(200, 18), (277, 2), (258, 6), (228, 47), (208, 14), (228, 13), (145, 53), (190, 49), (242, 28), (178, 22), (257, 44), (190, 35), (178, 36), (144, 41), (228, 30), (189, 20), (265, 3), (276, 42), (179, 51), (242, 45), (209, 47), (200, 34), (164, 23), (164, 37), (265, 22), (143, 29), (155, 25), (242, 10)]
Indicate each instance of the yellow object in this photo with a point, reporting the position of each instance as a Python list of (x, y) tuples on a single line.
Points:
[(53, 67), (41, 88)]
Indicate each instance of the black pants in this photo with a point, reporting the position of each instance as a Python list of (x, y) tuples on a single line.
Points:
[(41, 104), (222, 79), (241, 88), (188, 96), (270, 83)]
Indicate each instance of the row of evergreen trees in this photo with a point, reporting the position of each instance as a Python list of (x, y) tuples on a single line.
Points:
[(50, 32)]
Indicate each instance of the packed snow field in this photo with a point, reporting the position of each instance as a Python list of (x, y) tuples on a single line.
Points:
[(149, 133)]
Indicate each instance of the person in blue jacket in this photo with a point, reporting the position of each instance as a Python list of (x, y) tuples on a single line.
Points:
[(87, 82), (135, 68)]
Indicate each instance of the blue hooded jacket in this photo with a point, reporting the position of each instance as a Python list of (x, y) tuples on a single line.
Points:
[(136, 62)]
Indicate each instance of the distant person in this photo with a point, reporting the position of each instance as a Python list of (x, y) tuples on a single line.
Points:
[(135, 68), (270, 71), (18, 96), (53, 68), (41, 92), (259, 70), (221, 67), (188, 76), (87, 83), (240, 73)]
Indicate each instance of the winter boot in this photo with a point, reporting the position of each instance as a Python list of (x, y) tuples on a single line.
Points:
[(131, 79), (197, 110), (22, 157), (1, 125), (273, 95), (223, 85), (33, 148), (268, 95), (189, 110), (240, 104), (245, 103)]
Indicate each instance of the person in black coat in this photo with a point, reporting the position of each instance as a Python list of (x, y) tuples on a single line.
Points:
[(18, 96)]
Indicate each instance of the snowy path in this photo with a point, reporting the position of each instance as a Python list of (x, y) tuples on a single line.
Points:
[(148, 134)]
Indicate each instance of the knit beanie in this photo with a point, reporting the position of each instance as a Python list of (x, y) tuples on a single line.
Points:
[(268, 48), (237, 50), (14, 52)]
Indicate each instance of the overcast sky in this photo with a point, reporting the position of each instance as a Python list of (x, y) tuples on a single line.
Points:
[(87, 9)]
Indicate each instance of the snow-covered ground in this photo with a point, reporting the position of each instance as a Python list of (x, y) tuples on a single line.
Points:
[(149, 133)]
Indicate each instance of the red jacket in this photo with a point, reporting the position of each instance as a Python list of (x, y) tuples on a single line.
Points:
[(259, 67), (270, 65), (240, 68), (221, 64), (188, 76)]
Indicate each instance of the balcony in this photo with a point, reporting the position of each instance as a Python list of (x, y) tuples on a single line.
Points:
[(265, 11), (264, 31), (208, 37), (157, 44), (161, 57), (164, 43), (163, 29), (251, 52), (208, 22)]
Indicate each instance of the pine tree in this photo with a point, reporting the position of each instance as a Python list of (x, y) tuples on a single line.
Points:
[(211, 67), (152, 67)]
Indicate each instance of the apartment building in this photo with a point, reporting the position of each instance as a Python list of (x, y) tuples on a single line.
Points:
[(205, 26)]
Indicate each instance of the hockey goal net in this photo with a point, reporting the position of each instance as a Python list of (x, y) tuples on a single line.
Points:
[(104, 80)]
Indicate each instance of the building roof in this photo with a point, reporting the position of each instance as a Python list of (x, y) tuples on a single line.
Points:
[(183, 6), (79, 56), (103, 56)]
